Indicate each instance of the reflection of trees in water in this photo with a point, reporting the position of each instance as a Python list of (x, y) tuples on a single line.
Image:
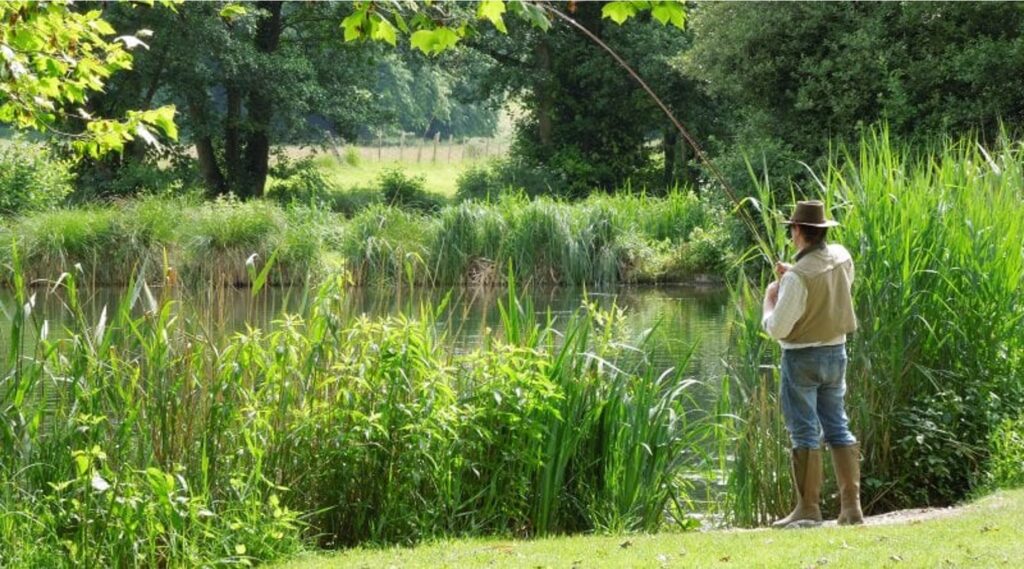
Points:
[(679, 316)]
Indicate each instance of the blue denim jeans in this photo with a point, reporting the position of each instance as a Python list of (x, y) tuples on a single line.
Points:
[(812, 390)]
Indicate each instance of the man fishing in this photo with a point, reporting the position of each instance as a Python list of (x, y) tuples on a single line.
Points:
[(809, 310)]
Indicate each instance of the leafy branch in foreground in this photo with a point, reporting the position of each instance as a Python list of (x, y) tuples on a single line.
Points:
[(51, 58), (435, 27)]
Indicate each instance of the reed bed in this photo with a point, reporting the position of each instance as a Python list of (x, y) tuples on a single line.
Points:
[(602, 240), (139, 440), (936, 365)]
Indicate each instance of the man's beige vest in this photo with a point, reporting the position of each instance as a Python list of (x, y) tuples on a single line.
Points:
[(827, 272)]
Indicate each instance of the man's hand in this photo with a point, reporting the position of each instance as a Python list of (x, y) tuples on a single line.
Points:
[(781, 268), (771, 294)]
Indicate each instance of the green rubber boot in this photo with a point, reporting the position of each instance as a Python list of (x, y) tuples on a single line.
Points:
[(806, 472), (846, 461)]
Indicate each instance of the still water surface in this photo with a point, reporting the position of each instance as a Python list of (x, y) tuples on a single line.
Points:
[(680, 317)]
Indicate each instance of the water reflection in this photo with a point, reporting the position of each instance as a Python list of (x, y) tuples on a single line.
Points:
[(679, 316)]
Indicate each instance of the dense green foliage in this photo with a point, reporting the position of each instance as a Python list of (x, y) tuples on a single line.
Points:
[(1007, 453), (275, 73), (585, 123), (31, 178), (138, 440), (936, 367), (802, 75)]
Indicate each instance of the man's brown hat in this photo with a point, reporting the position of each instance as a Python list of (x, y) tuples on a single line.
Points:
[(810, 213)]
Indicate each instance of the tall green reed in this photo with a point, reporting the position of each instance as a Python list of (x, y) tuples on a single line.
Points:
[(935, 365), (139, 440)]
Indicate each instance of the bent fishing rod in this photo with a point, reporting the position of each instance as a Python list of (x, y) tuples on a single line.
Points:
[(698, 151)]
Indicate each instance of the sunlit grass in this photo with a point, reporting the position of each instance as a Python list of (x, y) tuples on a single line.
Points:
[(439, 177), (987, 534)]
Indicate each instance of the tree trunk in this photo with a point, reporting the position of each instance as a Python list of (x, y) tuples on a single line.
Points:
[(545, 100), (668, 143), (212, 176), (687, 173), (232, 139), (261, 108)]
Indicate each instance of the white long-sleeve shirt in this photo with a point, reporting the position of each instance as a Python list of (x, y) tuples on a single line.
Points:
[(792, 299)]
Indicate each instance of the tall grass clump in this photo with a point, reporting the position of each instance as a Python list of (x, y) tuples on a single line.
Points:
[(935, 366), (469, 245), (137, 440), (385, 245), (938, 364), (97, 243), (202, 244), (219, 239)]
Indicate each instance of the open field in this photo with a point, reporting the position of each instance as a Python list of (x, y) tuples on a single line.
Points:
[(984, 534), (439, 174)]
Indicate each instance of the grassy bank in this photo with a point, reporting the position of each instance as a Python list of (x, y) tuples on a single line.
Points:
[(602, 240), (986, 534), (936, 369), (201, 243)]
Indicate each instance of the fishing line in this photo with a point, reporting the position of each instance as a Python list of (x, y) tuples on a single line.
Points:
[(716, 174)]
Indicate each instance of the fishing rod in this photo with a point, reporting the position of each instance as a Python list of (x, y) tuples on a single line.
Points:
[(716, 174)]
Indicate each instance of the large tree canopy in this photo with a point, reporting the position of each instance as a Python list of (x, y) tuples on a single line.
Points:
[(584, 121), (799, 75), (254, 72)]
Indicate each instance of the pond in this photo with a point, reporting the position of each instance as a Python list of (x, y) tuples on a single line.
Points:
[(678, 318)]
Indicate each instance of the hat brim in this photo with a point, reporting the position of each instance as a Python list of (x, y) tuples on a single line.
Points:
[(827, 223)]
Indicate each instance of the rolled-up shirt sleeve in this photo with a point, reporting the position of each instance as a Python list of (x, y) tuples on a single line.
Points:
[(788, 309)]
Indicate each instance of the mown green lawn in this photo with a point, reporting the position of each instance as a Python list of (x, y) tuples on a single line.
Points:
[(988, 533)]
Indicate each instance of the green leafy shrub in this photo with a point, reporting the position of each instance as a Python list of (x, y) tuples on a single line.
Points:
[(532, 179), (301, 182), (1007, 448), (401, 190), (478, 182), (352, 157), (32, 178), (135, 177), (704, 253)]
